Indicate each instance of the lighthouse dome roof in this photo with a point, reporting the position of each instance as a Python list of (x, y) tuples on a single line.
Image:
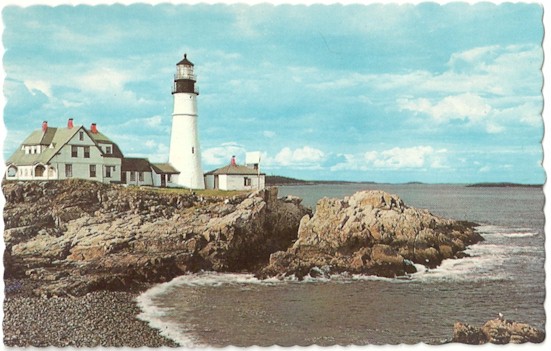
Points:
[(185, 61)]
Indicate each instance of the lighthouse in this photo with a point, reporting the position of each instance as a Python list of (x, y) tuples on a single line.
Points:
[(185, 154)]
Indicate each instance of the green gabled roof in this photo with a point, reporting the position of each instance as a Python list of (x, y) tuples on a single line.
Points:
[(164, 168), (135, 164), (99, 137), (38, 137), (57, 137), (235, 170)]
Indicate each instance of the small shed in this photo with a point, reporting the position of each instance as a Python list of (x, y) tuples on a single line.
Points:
[(235, 177)]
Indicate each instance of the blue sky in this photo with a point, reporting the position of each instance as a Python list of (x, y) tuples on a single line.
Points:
[(386, 93)]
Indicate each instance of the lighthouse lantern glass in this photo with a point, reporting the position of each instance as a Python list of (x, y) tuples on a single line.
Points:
[(184, 72)]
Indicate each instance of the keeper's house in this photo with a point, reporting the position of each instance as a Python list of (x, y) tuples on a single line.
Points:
[(61, 153), (76, 152)]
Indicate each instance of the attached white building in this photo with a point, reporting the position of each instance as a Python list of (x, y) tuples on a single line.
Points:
[(136, 171), (235, 177), (164, 175)]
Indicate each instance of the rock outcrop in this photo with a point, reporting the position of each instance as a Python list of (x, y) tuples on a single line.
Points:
[(370, 232), (74, 236), (497, 331)]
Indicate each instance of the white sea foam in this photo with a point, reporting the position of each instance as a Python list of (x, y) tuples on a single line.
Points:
[(519, 234), (153, 315)]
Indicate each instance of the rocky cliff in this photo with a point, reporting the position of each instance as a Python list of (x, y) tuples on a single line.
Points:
[(74, 236), (371, 232)]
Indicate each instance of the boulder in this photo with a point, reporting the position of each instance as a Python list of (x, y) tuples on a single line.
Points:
[(497, 331), (371, 232)]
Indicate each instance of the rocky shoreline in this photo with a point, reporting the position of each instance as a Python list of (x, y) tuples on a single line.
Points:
[(73, 237), (92, 320), (78, 252)]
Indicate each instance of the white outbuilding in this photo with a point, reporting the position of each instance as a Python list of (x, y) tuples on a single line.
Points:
[(236, 177)]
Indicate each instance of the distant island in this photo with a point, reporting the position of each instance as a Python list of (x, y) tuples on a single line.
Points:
[(274, 180), (504, 185)]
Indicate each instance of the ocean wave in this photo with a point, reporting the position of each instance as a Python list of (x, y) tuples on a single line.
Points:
[(153, 315), (506, 231)]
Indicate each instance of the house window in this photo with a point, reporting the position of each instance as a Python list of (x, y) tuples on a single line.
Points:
[(107, 171), (12, 171), (92, 171), (68, 170), (39, 171), (74, 151), (168, 178), (140, 177), (81, 135), (247, 181), (108, 150), (87, 152), (193, 149), (132, 176)]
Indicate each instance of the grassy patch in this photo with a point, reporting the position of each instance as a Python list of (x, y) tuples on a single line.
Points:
[(185, 191)]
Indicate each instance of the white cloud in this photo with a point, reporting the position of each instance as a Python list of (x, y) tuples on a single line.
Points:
[(464, 106), (221, 155), (493, 128), (102, 79), (154, 121), (305, 158), (40, 85), (472, 56), (485, 169), (416, 157), (268, 134)]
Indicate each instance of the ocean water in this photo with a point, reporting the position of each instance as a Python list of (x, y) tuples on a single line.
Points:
[(505, 273)]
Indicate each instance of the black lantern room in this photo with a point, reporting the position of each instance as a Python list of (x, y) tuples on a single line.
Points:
[(184, 79)]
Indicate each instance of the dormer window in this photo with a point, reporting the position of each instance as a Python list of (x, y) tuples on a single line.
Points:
[(108, 150)]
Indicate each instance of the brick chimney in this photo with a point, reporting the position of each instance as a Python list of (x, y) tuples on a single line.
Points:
[(44, 126), (233, 161), (94, 129), (70, 123)]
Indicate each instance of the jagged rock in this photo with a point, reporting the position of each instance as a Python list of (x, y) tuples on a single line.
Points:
[(371, 232), (497, 331), (77, 236), (467, 334)]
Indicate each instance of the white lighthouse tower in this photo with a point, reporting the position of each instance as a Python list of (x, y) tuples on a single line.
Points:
[(185, 154)]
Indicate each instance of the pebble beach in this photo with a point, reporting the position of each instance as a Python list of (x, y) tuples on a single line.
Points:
[(101, 318)]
